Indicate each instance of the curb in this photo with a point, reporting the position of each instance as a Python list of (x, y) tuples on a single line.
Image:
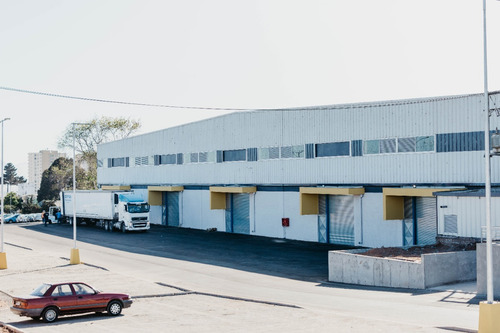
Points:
[(9, 328)]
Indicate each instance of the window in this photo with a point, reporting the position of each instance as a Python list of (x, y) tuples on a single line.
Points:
[(251, 154), (268, 153), (206, 157), (118, 162), (425, 143), (62, 290), (99, 163), (357, 148), (293, 152), (168, 159), (406, 145), (234, 155), (193, 158), (332, 149), (371, 147), (82, 289), (387, 146)]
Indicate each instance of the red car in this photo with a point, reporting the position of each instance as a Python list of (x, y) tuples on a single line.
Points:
[(52, 300)]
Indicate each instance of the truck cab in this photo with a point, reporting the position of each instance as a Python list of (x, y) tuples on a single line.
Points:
[(133, 212)]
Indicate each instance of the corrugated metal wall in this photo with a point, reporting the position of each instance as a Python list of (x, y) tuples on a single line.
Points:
[(399, 119), (469, 212)]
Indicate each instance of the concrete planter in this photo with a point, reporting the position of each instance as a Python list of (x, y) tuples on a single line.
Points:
[(435, 269)]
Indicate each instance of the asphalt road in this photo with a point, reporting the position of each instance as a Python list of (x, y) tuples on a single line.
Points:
[(189, 280)]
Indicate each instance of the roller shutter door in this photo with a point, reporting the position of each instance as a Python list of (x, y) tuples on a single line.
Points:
[(172, 209), (426, 221), (238, 213), (341, 219)]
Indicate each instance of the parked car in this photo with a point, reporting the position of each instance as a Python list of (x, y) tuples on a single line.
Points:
[(22, 218), (11, 218), (52, 300), (37, 216)]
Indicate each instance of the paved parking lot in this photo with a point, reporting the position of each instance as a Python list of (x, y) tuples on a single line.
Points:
[(189, 280)]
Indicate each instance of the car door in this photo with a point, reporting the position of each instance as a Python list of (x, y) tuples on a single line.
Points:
[(88, 298), (63, 297)]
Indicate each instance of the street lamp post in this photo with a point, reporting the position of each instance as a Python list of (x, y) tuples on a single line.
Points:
[(489, 311), (75, 254), (3, 255)]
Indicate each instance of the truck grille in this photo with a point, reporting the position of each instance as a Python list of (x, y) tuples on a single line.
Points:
[(140, 218), (140, 225)]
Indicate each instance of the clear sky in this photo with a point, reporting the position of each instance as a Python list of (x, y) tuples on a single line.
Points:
[(228, 53)]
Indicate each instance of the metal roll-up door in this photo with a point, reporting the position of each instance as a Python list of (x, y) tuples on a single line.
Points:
[(173, 209), (322, 220), (341, 219), (408, 226), (426, 221), (241, 213)]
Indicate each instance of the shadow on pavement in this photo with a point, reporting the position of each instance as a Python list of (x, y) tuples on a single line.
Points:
[(292, 259)]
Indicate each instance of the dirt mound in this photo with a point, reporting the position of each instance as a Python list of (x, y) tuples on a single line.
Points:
[(414, 253)]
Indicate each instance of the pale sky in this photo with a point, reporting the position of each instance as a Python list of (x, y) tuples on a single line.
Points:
[(228, 53)]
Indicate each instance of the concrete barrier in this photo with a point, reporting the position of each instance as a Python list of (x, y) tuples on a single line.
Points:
[(352, 267), (481, 269)]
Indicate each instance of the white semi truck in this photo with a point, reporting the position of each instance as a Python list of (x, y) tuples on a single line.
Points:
[(110, 210)]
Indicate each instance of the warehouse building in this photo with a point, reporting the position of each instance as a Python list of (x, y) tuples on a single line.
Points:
[(369, 174)]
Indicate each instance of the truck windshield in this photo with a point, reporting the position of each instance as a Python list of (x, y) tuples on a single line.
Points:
[(138, 208)]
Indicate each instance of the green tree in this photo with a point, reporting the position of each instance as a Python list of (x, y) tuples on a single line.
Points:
[(30, 206), (10, 175), (58, 177), (87, 136), (13, 202)]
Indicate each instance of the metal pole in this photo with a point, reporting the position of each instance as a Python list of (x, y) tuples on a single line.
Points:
[(487, 184), (74, 189), (1, 191)]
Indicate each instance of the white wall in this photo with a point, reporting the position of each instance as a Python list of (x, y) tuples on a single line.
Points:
[(271, 207), (471, 214), (196, 212), (376, 231)]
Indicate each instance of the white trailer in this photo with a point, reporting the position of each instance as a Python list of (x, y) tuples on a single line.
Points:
[(110, 210)]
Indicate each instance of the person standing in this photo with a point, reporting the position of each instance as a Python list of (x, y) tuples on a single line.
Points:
[(45, 218)]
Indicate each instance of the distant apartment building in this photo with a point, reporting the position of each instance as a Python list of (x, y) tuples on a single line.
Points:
[(38, 163)]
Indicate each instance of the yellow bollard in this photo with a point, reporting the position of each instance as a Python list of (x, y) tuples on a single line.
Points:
[(74, 259), (489, 317), (3, 260)]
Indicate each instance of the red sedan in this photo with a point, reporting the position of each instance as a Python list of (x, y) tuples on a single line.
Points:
[(52, 300)]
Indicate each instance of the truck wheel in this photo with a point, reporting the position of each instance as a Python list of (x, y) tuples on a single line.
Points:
[(122, 227)]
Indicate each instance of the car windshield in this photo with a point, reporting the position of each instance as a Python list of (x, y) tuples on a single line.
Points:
[(138, 208), (41, 290)]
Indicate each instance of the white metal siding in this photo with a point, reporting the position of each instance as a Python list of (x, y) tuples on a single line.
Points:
[(470, 213), (299, 127)]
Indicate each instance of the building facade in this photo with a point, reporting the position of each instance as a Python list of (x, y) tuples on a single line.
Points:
[(359, 174), (38, 163)]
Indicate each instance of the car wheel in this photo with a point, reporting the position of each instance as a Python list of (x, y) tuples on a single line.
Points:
[(122, 227), (50, 315), (114, 308)]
